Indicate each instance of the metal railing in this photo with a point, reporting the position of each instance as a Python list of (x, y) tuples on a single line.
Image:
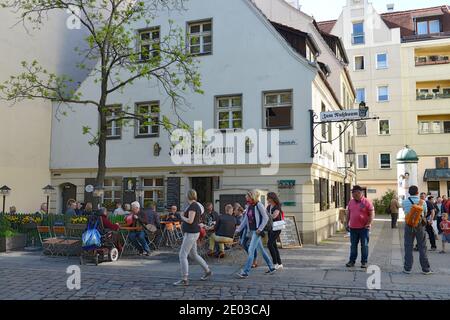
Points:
[(432, 96)]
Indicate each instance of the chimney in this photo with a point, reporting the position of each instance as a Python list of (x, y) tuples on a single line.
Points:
[(390, 7), (294, 3)]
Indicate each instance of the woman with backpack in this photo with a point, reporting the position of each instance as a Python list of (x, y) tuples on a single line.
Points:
[(274, 209), (255, 220)]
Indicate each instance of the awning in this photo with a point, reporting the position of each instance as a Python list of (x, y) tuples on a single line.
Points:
[(436, 175)]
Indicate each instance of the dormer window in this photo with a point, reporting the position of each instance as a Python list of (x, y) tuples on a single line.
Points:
[(428, 26)]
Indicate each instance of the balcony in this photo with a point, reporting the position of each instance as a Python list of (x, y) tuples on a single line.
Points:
[(425, 37), (431, 60), (433, 90), (428, 56), (432, 96), (434, 124)]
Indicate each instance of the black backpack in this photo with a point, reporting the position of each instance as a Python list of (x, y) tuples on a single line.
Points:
[(269, 224)]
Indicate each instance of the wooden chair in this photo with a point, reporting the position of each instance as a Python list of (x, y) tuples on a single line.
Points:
[(64, 246), (48, 241)]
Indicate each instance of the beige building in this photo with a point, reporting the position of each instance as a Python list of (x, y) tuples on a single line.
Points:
[(400, 68), (25, 128)]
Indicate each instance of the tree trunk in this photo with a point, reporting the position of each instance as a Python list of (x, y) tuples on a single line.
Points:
[(102, 150)]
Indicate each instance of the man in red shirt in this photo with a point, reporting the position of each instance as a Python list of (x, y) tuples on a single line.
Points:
[(360, 214)]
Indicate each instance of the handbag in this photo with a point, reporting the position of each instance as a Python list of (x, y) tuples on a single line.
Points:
[(279, 225)]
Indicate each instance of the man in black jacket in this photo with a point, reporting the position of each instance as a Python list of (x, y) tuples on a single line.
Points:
[(225, 228)]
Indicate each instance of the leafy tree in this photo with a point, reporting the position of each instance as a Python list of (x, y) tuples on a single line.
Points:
[(111, 46), (382, 204)]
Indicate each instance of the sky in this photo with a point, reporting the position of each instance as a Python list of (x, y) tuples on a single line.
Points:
[(331, 9)]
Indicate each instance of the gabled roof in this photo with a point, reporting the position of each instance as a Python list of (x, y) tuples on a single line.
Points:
[(403, 19)]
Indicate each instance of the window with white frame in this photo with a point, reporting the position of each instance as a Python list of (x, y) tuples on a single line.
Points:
[(200, 37), (149, 43), (361, 129), (385, 161), (114, 124), (153, 191), (359, 63), (383, 93), (358, 33), (229, 112), (384, 127), (362, 163), (149, 125), (382, 62), (278, 110), (360, 95), (112, 191)]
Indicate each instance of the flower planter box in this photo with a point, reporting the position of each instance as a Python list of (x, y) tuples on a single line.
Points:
[(16, 242)]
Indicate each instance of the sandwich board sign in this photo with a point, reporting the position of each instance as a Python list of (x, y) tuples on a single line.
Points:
[(289, 237)]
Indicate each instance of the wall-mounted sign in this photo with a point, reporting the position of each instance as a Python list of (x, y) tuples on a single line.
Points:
[(287, 143), (89, 188), (341, 115), (286, 190)]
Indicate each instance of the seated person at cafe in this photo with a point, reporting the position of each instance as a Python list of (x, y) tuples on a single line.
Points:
[(173, 215), (138, 218), (224, 232), (210, 216), (153, 219)]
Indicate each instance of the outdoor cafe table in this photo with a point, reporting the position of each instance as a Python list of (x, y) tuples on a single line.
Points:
[(125, 232)]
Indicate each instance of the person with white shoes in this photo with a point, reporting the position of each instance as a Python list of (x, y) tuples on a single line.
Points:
[(274, 209)]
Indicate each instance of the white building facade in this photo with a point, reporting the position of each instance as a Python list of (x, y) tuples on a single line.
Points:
[(253, 77)]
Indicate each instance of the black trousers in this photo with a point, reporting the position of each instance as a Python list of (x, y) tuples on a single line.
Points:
[(430, 231), (394, 218), (272, 245)]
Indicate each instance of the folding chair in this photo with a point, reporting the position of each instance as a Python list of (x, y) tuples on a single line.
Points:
[(48, 241), (63, 246)]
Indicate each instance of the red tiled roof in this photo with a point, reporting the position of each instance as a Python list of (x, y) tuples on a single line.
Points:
[(326, 26), (403, 19)]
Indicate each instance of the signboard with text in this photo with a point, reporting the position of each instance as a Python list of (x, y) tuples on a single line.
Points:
[(341, 115)]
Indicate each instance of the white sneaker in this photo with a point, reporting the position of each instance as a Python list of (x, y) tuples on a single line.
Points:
[(278, 266)]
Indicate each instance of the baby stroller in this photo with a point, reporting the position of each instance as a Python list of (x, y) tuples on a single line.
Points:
[(98, 242)]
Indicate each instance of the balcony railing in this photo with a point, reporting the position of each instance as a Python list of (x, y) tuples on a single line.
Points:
[(431, 60), (424, 37), (433, 96), (358, 38), (434, 131)]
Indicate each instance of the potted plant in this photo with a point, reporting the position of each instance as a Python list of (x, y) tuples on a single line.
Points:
[(9, 239)]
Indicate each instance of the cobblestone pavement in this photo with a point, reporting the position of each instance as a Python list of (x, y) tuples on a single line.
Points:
[(310, 273)]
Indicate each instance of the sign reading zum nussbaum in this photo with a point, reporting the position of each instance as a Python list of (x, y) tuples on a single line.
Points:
[(341, 115)]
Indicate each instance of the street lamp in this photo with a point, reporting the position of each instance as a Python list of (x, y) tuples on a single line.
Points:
[(5, 191), (48, 191), (350, 157)]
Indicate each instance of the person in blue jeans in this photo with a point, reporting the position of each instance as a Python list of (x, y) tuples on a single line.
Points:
[(255, 220), (360, 214), (137, 238)]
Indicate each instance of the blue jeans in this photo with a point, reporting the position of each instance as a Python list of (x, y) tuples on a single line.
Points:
[(255, 244), (245, 243), (357, 235), (138, 241)]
